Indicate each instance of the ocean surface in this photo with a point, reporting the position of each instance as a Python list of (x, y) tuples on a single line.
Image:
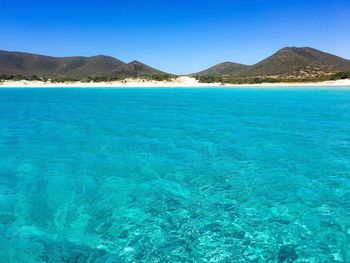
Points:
[(175, 175)]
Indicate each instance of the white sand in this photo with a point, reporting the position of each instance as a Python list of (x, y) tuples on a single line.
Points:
[(181, 82)]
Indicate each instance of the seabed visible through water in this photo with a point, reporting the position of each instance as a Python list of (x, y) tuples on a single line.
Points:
[(174, 175)]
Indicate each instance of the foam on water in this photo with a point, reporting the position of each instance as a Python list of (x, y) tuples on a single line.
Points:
[(178, 175)]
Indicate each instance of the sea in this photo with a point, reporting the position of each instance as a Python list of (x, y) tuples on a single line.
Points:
[(175, 175)]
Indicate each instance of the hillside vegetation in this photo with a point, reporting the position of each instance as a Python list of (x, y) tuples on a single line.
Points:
[(30, 66), (289, 64)]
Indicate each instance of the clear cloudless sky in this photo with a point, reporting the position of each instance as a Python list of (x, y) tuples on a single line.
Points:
[(175, 36)]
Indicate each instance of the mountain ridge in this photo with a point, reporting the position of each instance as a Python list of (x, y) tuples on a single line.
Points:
[(27, 64), (288, 62)]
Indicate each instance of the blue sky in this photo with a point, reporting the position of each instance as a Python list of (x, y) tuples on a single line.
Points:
[(175, 36)]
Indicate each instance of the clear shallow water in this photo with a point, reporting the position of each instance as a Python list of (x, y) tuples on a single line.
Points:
[(174, 175)]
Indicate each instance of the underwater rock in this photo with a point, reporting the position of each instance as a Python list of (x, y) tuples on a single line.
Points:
[(238, 234), (7, 219), (287, 254)]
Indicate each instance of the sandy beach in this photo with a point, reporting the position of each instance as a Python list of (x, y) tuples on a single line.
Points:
[(181, 82)]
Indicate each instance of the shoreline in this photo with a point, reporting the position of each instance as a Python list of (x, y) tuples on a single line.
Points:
[(181, 82)]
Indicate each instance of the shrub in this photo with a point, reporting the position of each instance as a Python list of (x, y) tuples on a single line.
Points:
[(19, 77), (206, 79), (160, 77), (35, 78), (340, 75)]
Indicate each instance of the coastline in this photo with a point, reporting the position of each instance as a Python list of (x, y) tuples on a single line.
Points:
[(181, 82)]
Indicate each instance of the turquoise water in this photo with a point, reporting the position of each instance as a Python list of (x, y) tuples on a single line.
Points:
[(174, 175)]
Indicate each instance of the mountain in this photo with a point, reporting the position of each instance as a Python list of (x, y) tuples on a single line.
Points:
[(289, 62), (18, 63), (226, 69), (299, 62), (136, 69)]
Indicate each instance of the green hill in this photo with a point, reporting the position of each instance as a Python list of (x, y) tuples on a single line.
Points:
[(287, 63), (136, 69), (226, 69), (25, 64), (300, 63)]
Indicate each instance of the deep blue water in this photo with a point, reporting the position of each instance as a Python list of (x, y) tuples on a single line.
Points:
[(174, 175)]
